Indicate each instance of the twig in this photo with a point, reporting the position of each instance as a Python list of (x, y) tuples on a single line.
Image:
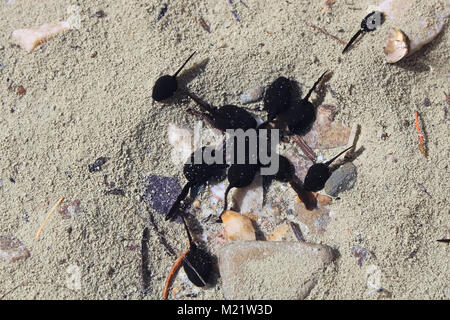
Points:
[(38, 233), (297, 232), (233, 11), (309, 24), (145, 273), (173, 271), (305, 148), (422, 145)]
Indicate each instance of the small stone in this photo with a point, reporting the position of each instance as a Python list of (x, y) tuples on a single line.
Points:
[(341, 179), (238, 226), (252, 95), (181, 139), (162, 192), (12, 249), (259, 270)]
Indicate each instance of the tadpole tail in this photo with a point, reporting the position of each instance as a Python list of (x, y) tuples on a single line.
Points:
[(203, 105), (187, 231), (314, 86), (225, 198), (181, 68), (360, 31), (306, 197), (176, 205), (335, 157)]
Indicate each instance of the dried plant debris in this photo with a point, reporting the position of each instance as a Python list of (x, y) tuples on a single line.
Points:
[(12, 249), (97, 165), (162, 11), (162, 192), (326, 133), (145, 272)]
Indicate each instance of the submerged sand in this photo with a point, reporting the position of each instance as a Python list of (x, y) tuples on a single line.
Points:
[(88, 94)]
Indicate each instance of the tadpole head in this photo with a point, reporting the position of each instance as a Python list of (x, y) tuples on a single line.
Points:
[(198, 171), (301, 117), (316, 177), (198, 265), (233, 117), (286, 170), (277, 97), (372, 21), (241, 175), (164, 88)]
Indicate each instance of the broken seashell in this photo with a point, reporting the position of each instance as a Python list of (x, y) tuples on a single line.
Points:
[(415, 24), (326, 133), (396, 46), (29, 38), (237, 226)]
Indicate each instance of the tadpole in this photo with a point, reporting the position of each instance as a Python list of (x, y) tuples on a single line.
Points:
[(301, 117), (319, 173), (197, 263), (197, 174), (370, 23), (166, 85), (277, 97), (226, 117)]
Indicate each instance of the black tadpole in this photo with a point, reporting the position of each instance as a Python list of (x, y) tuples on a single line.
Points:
[(286, 173), (166, 85), (302, 116), (318, 174), (226, 117), (370, 23), (196, 174), (277, 97), (197, 263), (239, 176)]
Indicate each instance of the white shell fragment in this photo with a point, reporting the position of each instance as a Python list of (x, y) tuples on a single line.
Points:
[(396, 46), (29, 38), (414, 23), (181, 140)]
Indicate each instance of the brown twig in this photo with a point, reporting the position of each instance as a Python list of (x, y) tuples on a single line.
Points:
[(422, 145), (173, 271), (305, 148), (38, 233), (309, 24)]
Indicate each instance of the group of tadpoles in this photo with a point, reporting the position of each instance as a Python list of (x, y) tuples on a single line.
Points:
[(297, 118)]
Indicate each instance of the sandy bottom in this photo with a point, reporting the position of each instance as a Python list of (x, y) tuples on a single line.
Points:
[(88, 95)]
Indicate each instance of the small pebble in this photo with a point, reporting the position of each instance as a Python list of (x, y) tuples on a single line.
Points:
[(238, 226), (341, 179), (271, 269), (252, 95), (12, 249), (21, 90)]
